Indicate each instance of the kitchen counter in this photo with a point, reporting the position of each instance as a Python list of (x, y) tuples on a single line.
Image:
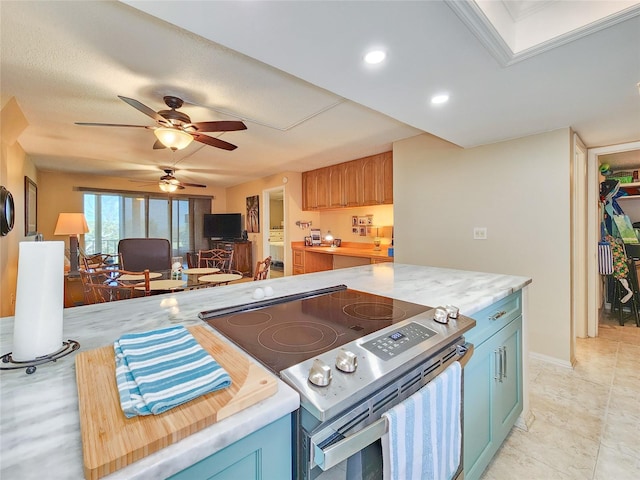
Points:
[(39, 424), (348, 251)]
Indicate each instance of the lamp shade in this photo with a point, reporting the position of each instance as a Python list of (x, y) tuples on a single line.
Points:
[(71, 224), (173, 138)]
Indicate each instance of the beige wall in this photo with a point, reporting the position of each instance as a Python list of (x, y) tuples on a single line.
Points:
[(14, 165), (236, 203), (57, 193), (520, 191), (339, 222)]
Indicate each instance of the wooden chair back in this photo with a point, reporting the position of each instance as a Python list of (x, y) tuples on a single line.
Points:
[(262, 269), (102, 260), (192, 260), (216, 258), (107, 285)]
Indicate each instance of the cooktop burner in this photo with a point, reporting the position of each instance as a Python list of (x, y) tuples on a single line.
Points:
[(284, 334)]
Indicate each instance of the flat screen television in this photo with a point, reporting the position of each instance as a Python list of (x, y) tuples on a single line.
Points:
[(227, 226)]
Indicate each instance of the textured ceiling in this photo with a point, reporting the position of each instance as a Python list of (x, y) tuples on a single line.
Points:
[(292, 71)]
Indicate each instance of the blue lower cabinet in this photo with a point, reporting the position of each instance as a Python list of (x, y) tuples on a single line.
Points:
[(492, 384), (263, 455)]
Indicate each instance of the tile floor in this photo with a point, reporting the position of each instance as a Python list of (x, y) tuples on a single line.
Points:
[(587, 419)]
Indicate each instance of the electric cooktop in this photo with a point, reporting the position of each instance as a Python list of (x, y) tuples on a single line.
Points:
[(286, 331)]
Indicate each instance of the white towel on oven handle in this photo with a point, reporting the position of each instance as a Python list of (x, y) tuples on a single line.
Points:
[(424, 436)]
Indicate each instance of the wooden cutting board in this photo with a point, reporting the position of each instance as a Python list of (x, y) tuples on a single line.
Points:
[(111, 441)]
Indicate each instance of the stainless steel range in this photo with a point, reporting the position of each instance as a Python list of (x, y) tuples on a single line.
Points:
[(351, 355)]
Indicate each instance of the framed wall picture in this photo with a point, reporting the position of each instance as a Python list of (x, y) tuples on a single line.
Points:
[(30, 207), (253, 214)]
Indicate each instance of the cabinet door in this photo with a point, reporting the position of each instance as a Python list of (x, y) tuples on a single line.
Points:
[(322, 188), (508, 397), (370, 179), (353, 183), (264, 454), (336, 185), (386, 178), (478, 380), (242, 258), (492, 396), (309, 189)]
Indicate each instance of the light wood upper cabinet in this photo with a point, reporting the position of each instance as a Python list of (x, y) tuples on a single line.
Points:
[(322, 188), (352, 183), (365, 181), (386, 184), (336, 186), (370, 180), (309, 189)]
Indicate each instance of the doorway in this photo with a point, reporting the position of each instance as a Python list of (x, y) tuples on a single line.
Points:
[(274, 240), (594, 284)]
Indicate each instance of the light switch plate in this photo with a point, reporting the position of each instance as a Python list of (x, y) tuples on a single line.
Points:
[(480, 233)]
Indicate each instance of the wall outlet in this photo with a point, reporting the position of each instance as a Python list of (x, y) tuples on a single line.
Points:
[(480, 233)]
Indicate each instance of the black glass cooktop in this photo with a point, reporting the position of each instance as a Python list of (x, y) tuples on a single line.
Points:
[(284, 334)]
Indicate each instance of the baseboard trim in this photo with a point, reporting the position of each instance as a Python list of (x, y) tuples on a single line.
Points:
[(525, 420), (552, 360)]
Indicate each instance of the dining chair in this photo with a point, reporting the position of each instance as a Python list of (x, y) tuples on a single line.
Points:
[(107, 285), (217, 258), (138, 254), (102, 260), (192, 260), (262, 269)]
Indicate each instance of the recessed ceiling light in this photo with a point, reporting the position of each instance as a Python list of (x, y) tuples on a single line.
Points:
[(442, 98), (375, 56)]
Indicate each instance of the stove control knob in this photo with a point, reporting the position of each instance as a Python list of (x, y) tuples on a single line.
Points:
[(453, 311), (441, 315), (346, 361), (320, 373)]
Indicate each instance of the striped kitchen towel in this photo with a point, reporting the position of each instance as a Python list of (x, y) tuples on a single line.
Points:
[(424, 431), (161, 369)]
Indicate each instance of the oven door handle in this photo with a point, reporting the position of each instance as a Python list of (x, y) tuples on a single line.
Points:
[(332, 455)]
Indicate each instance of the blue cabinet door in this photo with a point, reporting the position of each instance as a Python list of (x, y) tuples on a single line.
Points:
[(492, 383), (508, 397), (477, 411), (265, 454)]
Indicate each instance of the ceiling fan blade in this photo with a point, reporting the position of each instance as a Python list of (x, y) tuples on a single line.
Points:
[(91, 124), (158, 145), (193, 185), (220, 126), (144, 109), (214, 142)]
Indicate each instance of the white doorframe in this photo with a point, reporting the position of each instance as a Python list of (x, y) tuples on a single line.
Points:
[(266, 220), (594, 296), (579, 264)]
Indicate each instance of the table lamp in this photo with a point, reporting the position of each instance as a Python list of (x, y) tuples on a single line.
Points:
[(376, 238), (72, 224)]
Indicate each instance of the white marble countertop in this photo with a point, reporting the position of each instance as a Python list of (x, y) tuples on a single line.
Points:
[(39, 423)]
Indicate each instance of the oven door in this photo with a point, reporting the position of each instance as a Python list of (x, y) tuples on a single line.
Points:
[(349, 446)]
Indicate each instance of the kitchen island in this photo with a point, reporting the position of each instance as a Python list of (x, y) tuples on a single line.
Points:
[(39, 424)]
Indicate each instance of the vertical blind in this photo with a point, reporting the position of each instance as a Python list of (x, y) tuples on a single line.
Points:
[(113, 216)]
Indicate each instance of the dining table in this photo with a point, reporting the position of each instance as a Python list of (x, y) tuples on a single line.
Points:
[(200, 270), (164, 285), (220, 278), (138, 276)]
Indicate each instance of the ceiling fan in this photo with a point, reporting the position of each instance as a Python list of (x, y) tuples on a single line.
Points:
[(169, 183), (174, 129)]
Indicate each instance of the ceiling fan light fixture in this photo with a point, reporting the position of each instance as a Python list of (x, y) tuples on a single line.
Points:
[(173, 138), (168, 187)]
